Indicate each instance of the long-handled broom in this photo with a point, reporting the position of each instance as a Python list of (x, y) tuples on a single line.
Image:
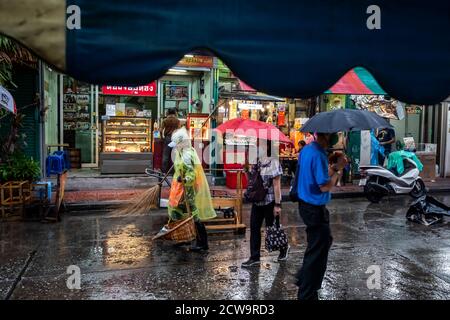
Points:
[(149, 199), (143, 202)]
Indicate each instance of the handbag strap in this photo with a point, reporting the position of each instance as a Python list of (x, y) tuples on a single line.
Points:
[(277, 222)]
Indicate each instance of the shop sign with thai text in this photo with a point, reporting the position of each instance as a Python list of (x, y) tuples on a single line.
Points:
[(148, 90)]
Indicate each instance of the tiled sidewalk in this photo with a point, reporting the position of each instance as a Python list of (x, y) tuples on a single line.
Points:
[(120, 195)]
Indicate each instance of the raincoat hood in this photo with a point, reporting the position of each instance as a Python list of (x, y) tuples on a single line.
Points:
[(178, 136)]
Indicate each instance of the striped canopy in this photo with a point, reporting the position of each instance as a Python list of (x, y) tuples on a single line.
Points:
[(357, 81)]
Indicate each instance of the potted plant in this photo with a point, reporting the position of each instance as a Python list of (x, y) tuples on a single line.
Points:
[(20, 168), (16, 176)]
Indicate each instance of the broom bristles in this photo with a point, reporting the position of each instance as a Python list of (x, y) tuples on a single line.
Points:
[(141, 203)]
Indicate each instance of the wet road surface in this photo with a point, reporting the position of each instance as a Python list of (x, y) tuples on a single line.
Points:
[(118, 259)]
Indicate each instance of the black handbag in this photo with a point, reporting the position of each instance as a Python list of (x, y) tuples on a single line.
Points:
[(293, 191), (256, 192), (276, 238)]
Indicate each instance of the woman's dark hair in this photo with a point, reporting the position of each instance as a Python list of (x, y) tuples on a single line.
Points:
[(302, 143)]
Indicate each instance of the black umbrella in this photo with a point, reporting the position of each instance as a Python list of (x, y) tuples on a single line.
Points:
[(344, 120)]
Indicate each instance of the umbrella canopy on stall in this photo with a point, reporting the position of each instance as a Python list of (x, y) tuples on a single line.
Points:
[(252, 128), (357, 81), (284, 48), (344, 120)]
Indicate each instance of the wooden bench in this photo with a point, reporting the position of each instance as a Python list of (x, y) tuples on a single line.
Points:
[(234, 224)]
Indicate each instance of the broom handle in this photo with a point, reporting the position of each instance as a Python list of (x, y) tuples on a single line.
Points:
[(210, 115), (188, 207), (165, 176)]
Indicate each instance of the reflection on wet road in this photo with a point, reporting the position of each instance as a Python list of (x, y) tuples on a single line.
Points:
[(118, 259)]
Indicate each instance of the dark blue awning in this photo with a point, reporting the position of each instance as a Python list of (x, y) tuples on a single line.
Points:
[(284, 48)]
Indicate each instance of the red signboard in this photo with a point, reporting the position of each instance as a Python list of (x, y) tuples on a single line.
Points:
[(148, 90)]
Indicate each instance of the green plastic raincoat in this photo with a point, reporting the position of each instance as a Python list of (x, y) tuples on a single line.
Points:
[(195, 191), (395, 160)]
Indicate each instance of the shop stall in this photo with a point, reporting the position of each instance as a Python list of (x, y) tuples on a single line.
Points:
[(359, 90), (251, 106), (235, 155), (198, 126), (127, 127), (78, 121)]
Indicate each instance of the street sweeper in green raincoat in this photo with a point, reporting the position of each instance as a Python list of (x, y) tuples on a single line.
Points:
[(189, 185)]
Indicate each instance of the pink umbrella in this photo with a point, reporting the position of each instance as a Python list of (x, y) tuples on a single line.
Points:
[(252, 128)]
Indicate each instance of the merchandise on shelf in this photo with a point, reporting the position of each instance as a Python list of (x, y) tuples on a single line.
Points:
[(197, 127), (127, 134)]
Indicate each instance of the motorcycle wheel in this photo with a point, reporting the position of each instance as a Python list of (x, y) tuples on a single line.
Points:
[(371, 194), (419, 189)]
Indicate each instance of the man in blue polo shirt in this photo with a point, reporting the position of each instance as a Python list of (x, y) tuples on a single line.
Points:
[(315, 181)]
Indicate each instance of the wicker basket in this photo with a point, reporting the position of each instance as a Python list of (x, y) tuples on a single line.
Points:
[(181, 230)]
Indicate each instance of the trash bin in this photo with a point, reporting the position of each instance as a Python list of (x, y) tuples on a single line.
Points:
[(231, 176)]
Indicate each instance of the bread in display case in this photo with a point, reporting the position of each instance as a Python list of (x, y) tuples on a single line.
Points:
[(127, 135)]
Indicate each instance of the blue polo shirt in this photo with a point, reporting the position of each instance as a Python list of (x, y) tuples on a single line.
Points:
[(313, 166)]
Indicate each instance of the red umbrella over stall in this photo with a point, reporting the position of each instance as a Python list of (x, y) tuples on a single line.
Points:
[(252, 128)]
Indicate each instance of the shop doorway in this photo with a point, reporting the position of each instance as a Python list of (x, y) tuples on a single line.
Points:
[(175, 94), (79, 121)]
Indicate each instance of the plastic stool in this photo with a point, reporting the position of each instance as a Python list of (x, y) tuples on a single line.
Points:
[(55, 164), (65, 155)]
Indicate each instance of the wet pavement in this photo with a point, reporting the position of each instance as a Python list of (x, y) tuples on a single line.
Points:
[(118, 259)]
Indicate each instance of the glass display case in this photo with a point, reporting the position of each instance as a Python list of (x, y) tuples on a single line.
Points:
[(127, 135), (197, 127)]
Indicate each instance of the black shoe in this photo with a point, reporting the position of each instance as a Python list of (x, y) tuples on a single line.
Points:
[(284, 254), (314, 296), (181, 244), (250, 262), (198, 248)]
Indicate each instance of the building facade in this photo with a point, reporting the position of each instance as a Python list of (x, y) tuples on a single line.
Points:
[(114, 128)]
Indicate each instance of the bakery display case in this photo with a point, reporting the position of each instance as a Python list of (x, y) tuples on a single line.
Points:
[(126, 134), (126, 145)]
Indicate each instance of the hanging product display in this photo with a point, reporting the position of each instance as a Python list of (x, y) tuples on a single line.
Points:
[(76, 105), (197, 128)]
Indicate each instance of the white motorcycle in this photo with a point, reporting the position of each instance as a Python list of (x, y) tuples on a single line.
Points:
[(379, 181)]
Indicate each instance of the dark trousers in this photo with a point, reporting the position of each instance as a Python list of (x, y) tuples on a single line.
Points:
[(381, 157), (257, 216), (202, 235), (166, 157), (319, 239)]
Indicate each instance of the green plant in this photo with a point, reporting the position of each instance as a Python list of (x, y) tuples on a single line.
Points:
[(12, 52), (20, 168)]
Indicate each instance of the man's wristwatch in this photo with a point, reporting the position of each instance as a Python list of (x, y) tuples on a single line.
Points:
[(278, 205)]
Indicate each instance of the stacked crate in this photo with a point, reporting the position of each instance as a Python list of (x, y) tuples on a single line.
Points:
[(14, 195)]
